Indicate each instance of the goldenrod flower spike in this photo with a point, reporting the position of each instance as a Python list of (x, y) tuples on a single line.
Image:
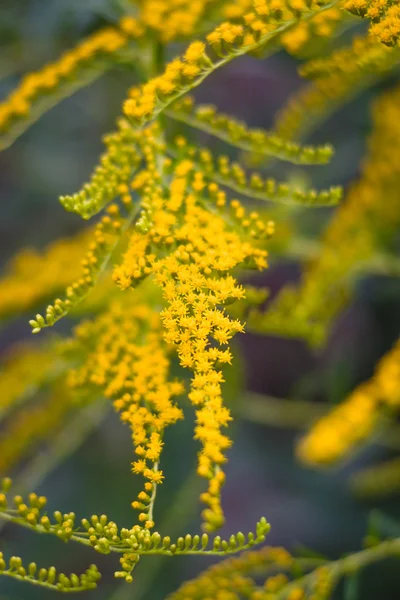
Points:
[(227, 41), (32, 276), (41, 90), (353, 236), (384, 16), (353, 421), (174, 19), (128, 360), (206, 118), (338, 78), (169, 300), (190, 251)]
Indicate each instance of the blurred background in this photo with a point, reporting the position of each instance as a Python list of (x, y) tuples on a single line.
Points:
[(308, 509)]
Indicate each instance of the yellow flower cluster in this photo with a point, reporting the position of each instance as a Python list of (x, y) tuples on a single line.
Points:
[(172, 19), (191, 251), (144, 100), (126, 358), (322, 26), (226, 41), (32, 276), (231, 579), (336, 434), (236, 9), (385, 17), (99, 46), (370, 213), (236, 578), (111, 177), (387, 378), (338, 77), (350, 423)]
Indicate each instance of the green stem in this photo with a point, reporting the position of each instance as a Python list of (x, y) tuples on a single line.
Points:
[(153, 494), (235, 53), (44, 584), (226, 137), (350, 564), (65, 443), (181, 509)]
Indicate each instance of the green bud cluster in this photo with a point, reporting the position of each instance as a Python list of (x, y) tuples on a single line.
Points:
[(232, 175), (107, 234), (49, 578), (105, 537), (117, 165), (236, 133)]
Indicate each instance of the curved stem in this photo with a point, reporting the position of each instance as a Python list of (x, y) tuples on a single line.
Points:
[(349, 565), (153, 494)]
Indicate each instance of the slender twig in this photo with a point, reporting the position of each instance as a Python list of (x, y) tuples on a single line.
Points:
[(66, 442), (180, 511), (153, 494), (349, 564)]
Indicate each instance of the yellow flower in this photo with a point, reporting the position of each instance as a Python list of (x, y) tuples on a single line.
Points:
[(194, 52), (191, 251)]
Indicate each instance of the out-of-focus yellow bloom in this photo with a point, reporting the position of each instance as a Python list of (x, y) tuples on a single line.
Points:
[(322, 25), (106, 236), (352, 422), (32, 276), (227, 40), (172, 19), (337, 77), (369, 216), (100, 45), (231, 579)]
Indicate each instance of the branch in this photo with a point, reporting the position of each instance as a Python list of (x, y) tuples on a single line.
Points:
[(48, 578), (346, 566), (227, 41), (107, 236), (263, 143)]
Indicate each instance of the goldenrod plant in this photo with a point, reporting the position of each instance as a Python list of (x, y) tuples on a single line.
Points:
[(156, 285)]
